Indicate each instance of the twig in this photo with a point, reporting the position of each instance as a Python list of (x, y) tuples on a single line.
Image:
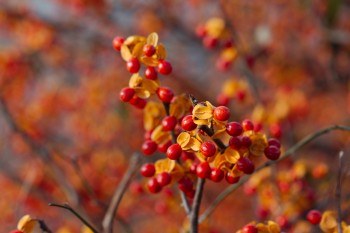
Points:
[(107, 222), (184, 200), (338, 192), (43, 153), (286, 154), (196, 205), (83, 220), (43, 226)]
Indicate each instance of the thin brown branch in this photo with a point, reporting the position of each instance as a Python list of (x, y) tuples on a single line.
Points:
[(81, 218), (107, 222), (42, 152), (43, 226), (286, 154), (338, 192), (196, 205)]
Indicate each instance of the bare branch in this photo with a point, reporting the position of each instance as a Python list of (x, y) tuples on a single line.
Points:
[(107, 222), (286, 154)]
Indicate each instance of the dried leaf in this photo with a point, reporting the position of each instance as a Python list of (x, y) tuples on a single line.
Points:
[(183, 139), (132, 40), (273, 227), (179, 106), (259, 143), (164, 165), (202, 112), (152, 39), (160, 136), (229, 54), (231, 155), (135, 80), (137, 51), (149, 61), (161, 52), (125, 53), (215, 27), (328, 222), (142, 92), (26, 224), (150, 85)]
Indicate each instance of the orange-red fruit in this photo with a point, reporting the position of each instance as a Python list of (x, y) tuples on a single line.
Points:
[(222, 64), (149, 147), (149, 50), (148, 170), (118, 42), (133, 65), (245, 165), (174, 152), (314, 216), (153, 185), (164, 147), (222, 99), (208, 149), (274, 142), (165, 94), (231, 179), (151, 73), (222, 113), (250, 228), (164, 67), (247, 125), (217, 175), (234, 129), (16, 231), (169, 123), (235, 143), (188, 124), (272, 152), (245, 141), (126, 94), (201, 31), (210, 42), (163, 179), (203, 170), (138, 102), (185, 184)]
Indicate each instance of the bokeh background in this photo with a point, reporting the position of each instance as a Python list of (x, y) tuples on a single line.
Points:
[(66, 137)]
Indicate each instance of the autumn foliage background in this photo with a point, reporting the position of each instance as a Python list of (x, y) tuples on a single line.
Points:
[(66, 136)]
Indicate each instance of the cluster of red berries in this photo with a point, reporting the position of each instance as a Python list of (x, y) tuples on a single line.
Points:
[(214, 34), (138, 51)]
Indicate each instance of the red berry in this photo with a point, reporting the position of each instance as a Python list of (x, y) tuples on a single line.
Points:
[(235, 143), (240, 95), (274, 142), (222, 99), (163, 179), (247, 125), (223, 64), (165, 94), (149, 50), (282, 221), (153, 185), (138, 102), (234, 128), (193, 168), (217, 175), (210, 42), (314, 216), (187, 155), (147, 135), (245, 165), (231, 179), (148, 170), (228, 43), (188, 124), (164, 67), (245, 141), (185, 184), (250, 228), (136, 188), (126, 94), (190, 194), (208, 149), (163, 148), (169, 123), (118, 42), (203, 170), (174, 152), (149, 147), (221, 113), (262, 213), (276, 130), (201, 31), (151, 73), (272, 152), (133, 65)]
